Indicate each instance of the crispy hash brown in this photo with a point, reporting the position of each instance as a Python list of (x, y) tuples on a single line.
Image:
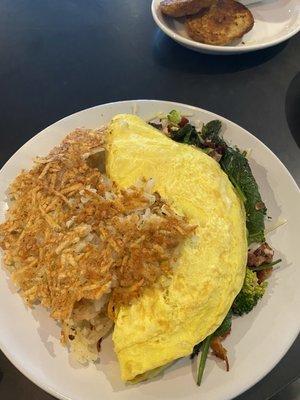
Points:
[(223, 22), (181, 8), (79, 246)]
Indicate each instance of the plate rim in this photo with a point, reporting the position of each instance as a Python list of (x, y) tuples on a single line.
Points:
[(198, 46), (43, 384)]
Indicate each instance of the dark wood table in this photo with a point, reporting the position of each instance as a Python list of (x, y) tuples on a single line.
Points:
[(61, 56)]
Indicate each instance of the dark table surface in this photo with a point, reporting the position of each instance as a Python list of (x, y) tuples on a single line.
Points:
[(61, 56)]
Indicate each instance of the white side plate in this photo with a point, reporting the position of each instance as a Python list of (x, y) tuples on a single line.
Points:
[(30, 339), (274, 22)]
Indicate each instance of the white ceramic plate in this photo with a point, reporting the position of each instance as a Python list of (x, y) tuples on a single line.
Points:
[(30, 339), (275, 22)]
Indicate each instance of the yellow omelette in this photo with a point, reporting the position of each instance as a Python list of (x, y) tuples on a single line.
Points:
[(172, 316)]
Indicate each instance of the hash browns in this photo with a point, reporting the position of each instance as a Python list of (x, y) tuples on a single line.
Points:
[(71, 237)]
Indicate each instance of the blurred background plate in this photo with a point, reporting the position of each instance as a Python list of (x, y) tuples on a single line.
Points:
[(30, 338), (274, 22)]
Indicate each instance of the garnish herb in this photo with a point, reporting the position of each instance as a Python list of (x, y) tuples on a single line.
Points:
[(206, 344), (266, 265)]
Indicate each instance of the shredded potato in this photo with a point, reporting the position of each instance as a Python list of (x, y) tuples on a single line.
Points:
[(71, 236)]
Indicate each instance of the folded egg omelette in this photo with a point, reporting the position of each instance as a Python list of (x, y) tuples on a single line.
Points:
[(169, 318)]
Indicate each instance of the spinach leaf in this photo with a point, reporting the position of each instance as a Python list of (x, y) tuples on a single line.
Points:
[(187, 134), (238, 170), (211, 132)]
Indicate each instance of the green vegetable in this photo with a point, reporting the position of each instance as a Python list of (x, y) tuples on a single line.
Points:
[(236, 166), (174, 117), (238, 170), (211, 131), (225, 326), (187, 134), (266, 266), (251, 292), (206, 344)]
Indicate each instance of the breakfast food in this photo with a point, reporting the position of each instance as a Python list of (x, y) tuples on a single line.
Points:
[(80, 246), (182, 8), (216, 22), (210, 270), (221, 24), (143, 227)]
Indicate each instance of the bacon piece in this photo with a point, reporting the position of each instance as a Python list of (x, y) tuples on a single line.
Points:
[(263, 254), (263, 275), (183, 122)]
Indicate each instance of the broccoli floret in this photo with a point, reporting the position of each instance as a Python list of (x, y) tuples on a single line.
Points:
[(251, 292)]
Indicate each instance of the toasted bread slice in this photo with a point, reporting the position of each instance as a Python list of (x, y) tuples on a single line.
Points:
[(223, 22), (181, 8)]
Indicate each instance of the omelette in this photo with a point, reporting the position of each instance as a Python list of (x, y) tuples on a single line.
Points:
[(177, 312)]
